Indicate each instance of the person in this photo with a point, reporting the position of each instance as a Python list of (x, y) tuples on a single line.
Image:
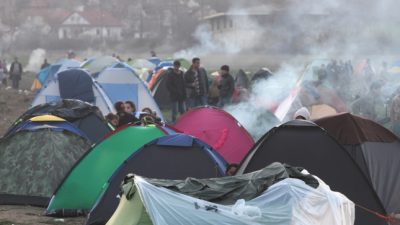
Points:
[(196, 83), (15, 73), (231, 169), (176, 89), (112, 119), (395, 113), (45, 64), (226, 86), (370, 105), (2, 72), (153, 53), (71, 54), (124, 117), (5, 72), (322, 73), (130, 108), (302, 114)]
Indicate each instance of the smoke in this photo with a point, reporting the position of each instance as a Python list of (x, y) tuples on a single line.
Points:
[(222, 36), (255, 114), (35, 60)]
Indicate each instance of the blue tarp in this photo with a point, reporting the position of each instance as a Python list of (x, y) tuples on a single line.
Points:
[(76, 84)]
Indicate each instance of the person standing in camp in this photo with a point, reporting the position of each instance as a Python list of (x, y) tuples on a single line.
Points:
[(176, 89), (15, 73), (45, 64), (196, 82), (2, 72), (226, 87)]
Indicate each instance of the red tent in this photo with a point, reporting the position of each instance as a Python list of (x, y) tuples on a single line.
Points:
[(218, 129)]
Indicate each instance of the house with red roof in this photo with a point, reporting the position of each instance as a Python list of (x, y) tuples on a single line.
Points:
[(92, 23)]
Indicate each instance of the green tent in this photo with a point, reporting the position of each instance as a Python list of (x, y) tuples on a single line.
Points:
[(81, 188)]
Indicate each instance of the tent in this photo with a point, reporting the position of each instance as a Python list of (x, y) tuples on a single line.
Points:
[(84, 116), (263, 73), (142, 63), (175, 156), (163, 64), (81, 188), (303, 143), (275, 195), (50, 72), (97, 64), (122, 84), (74, 84), (158, 87), (35, 159), (218, 129), (155, 60), (374, 148), (241, 80)]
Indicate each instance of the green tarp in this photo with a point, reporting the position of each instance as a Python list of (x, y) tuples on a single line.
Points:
[(82, 187)]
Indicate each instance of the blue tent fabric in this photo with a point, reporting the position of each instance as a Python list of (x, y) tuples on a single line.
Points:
[(42, 75), (178, 140), (76, 84), (57, 126), (155, 60), (164, 64), (121, 92), (52, 99)]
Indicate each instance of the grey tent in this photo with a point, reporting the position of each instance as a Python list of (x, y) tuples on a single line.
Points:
[(303, 143), (375, 149)]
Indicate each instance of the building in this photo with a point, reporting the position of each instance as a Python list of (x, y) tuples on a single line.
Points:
[(95, 24), (269, 25)]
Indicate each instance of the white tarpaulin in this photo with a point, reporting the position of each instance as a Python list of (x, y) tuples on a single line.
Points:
[(288, 202)]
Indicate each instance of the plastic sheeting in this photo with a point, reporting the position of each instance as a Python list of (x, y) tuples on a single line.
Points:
[(289, 201)]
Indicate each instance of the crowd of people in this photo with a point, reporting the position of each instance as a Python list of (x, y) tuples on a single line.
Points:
[(126, 113), (191, 89)]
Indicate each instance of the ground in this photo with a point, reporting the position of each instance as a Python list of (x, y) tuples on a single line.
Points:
[(23, 215)]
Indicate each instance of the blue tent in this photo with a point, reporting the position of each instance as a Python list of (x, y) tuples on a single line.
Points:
[(74, 84), (163, 64), (176, 156), (122, 84), (155, 60), (49, 73)]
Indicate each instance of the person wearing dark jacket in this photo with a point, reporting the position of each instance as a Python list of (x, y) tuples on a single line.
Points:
[(196, 82), (176, 90), (226, 86), (15, 73), (124, 117)]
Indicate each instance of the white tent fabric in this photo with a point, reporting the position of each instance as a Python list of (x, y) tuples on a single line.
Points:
[(288, 202)]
